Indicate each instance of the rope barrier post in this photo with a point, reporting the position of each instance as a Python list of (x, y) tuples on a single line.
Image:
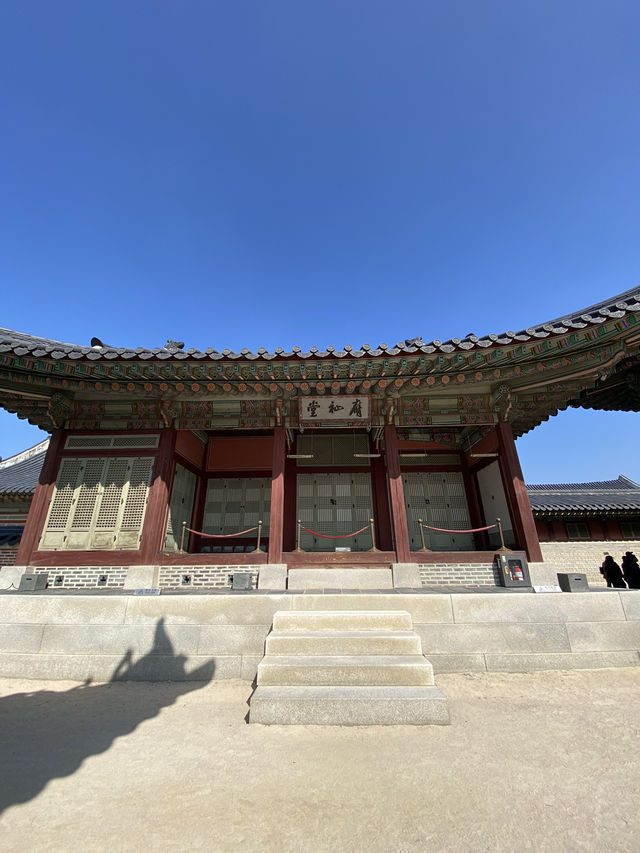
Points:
[(503, 548), (373, 535), (421, 528), (259, 535), (184, 530), (299, 550)]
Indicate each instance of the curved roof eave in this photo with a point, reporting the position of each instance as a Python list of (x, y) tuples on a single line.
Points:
[(616, 307)]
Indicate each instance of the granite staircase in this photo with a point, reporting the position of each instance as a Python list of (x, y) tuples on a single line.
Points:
[(345, 668)]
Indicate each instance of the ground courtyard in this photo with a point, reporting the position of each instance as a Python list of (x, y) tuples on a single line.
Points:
[(537, 761)]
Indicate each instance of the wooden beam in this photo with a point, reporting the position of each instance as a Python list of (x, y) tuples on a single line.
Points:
[(41, 499), (396, 495), (515, 490), (155, 519), (277, 495)]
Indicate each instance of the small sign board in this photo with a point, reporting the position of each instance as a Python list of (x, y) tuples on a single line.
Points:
[(336, 410), (343, 549), (152, 591), (549, 588)]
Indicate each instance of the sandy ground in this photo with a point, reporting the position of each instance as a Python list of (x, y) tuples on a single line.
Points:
[(545, 761)]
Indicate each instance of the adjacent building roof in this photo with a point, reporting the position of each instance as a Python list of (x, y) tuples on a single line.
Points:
[(19, 474), (621, 495)]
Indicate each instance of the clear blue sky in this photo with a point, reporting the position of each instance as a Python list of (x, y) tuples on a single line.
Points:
[(263, 174)]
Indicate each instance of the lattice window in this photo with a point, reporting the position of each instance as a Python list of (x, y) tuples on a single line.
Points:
[(98, 503), (334, 503), (70, 470), (236, 503), (440, 500), (114, 481), (136, 500)]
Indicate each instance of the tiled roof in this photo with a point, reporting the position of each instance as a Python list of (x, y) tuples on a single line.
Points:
[(19, 474), (621, 495), (616, 307)]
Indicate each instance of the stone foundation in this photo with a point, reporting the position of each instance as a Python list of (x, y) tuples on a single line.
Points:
[(459, 574), (179, 637)]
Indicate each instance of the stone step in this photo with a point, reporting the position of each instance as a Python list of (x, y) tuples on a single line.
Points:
[(341, 620), (345, 670), (344, 643), (349, 706)]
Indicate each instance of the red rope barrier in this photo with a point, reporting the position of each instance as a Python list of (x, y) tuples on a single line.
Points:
[(474, 530), (346, 536), (221, 535)]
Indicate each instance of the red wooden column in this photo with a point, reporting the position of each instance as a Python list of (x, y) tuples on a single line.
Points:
[(42, 497), (155, 519), (516, 494), (277, 495), (396, 495)]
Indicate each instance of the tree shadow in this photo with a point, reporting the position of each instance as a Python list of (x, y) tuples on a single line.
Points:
[(47, 734)]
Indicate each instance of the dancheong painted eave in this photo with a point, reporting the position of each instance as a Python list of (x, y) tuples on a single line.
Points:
[(590, 358), (616, 307)]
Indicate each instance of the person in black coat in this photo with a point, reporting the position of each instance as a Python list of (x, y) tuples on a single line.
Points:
[(631, 570), (612, 573)]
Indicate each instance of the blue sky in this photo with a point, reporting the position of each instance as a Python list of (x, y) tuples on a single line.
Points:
[(299, 173)]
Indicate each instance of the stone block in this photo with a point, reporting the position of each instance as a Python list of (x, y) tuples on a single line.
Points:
[(142, 577), (604, 636), (344, 643), (102, 639), (20, 638), (227, 609), (481, 639), (584, 660), (340, 579), (232, 639), (551, 607), (423, 608), (348, 670), (107, 667), (249, 666), (10, 576), (631, 603), (406, 576), (273, 576), (341, 620), (458, 663), (544, 574), (349, 706), (64, 609)]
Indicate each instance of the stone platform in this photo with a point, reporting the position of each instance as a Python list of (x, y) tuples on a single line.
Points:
[(104, 635)]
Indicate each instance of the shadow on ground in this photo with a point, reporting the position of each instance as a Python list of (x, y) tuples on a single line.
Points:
[(85, 720)]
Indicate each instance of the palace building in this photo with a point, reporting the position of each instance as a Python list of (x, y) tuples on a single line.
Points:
[(199, 463)]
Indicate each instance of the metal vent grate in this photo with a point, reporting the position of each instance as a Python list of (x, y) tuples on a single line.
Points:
[(101, 442)]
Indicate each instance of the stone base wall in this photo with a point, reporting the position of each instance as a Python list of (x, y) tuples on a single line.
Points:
[(198, 637), (203, 577), (8, 556), (83, 577), (459, 574), (586, 557)]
